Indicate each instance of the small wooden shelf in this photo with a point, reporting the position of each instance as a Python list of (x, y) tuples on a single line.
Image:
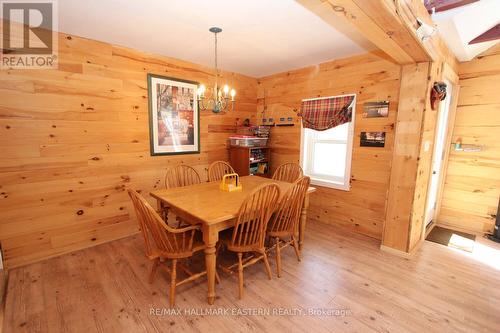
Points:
[(243, 165)]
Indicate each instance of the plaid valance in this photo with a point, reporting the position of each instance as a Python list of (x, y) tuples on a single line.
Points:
[(325, 113)]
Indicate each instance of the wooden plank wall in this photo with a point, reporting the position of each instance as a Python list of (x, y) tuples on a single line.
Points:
[(472, 185), (425, 157), (373, 78), (73, 139), (403, 180)]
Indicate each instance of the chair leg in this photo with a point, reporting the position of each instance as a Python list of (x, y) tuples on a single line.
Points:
[(154, 267), (217, 278), (240, 274), (278, 257), (268, 268), (296, 247), (217, 250), (173, 276)]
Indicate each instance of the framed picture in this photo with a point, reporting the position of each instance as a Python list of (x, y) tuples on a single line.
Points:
[(376, 109), (174, 119), (372, 139)]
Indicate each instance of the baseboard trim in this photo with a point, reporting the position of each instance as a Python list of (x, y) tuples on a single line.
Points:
[(398, 253)]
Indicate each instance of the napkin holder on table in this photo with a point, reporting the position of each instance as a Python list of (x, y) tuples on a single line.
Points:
[(230, 183)]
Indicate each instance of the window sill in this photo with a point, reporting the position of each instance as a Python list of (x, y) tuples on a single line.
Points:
[(330, 184)]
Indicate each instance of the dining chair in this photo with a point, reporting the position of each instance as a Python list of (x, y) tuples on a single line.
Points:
[(249, 231), (288, 172), (179, 176), (218, 169), (166, 243), (284, 223)]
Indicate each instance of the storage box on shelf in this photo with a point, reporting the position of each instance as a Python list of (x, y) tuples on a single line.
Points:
[(247, 141)]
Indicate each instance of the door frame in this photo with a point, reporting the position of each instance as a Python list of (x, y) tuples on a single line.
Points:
[(447, 74)]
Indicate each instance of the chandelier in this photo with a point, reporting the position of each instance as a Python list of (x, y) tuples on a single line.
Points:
[(216, 99)]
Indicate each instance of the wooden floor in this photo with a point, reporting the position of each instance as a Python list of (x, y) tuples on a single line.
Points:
[(105, 289)]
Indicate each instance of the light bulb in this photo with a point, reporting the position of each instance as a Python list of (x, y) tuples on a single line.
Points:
[(201, 90), (233, 93), (226, 89)]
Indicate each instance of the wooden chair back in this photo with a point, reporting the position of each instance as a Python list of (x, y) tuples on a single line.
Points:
[(288, 172), (218, 169), (286, 220), (181, 175), (158, 236), (253, 216)]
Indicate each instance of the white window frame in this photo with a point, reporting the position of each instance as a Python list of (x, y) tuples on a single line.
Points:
[(325, 180)]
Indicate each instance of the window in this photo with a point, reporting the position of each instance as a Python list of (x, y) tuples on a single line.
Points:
[(326, 155)]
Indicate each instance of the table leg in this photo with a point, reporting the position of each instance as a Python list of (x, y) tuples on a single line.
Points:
[(303, 220), (210, 238)]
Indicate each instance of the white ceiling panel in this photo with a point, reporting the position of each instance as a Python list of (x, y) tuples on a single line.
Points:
[(260, 37)]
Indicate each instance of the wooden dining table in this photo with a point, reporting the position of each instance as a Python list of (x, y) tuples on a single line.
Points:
[(216, 210)]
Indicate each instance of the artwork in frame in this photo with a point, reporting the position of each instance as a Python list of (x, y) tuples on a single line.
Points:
[(376, 109), (174, 119), (372, 139)]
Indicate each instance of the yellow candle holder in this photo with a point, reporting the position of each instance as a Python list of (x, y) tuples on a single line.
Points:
[(230, 183)]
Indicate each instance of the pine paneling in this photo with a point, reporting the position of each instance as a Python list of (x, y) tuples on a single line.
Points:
[(373, 78), (405, 175), (73, 139), (472, 185)]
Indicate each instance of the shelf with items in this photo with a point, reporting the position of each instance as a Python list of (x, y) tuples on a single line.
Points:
[(250, 160), (459, 146)]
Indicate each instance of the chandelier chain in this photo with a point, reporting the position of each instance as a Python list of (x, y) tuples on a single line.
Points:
[(216, 67)]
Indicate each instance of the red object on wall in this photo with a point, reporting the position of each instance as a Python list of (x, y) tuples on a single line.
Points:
[(438, 93)]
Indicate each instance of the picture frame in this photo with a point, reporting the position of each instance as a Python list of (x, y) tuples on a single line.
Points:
[(372, 139), (174, 116), (376, 109)]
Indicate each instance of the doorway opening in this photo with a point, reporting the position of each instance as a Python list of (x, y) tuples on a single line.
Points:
[(438, 155)]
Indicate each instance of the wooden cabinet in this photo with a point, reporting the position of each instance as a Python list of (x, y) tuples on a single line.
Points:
[(250, 160)]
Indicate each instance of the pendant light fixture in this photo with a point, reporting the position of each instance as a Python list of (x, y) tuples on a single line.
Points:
[(216, 99)]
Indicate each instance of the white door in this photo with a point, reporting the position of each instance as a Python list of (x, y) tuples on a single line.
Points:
[(437, 162)]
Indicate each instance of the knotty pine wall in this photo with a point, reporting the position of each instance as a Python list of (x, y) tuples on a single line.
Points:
[(372, 78), (73, 139), (472, 185)]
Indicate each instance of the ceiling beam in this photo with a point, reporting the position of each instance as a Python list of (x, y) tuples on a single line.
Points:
[(389, 25), (435, 46), (379, 21), (349, 11), (492, 34), (388, 16), (436, 6)]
